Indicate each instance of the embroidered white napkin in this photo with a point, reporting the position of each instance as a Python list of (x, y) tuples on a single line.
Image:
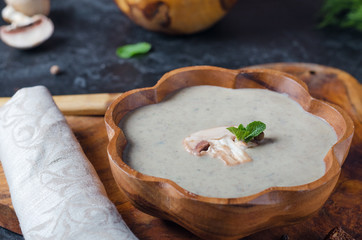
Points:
[(55, 190)]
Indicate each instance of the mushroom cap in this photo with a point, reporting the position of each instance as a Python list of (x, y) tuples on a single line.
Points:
[(30, 7), (29, 36)]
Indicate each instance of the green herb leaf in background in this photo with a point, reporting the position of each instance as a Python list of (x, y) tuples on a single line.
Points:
[(342, 13), (249, 133), (130, 50)]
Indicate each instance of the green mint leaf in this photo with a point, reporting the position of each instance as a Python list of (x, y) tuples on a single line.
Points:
[(247, 134), (130, 50), (241, 127), (254, 129), (237, 132)]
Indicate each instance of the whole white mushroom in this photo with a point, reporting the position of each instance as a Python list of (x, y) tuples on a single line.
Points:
[(29, 25)]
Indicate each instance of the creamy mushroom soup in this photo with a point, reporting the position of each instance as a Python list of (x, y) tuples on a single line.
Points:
[(291, 153)]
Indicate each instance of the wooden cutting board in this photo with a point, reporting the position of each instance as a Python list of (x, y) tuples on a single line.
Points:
[(343, 208)]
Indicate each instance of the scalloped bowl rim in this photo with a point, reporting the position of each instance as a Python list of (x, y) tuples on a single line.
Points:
[(117, 132)]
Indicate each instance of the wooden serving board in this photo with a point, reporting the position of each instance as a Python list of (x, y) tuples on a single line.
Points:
[(343, 208)]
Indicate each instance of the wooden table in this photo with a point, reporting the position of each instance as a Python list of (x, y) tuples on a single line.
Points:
[(343, 208)]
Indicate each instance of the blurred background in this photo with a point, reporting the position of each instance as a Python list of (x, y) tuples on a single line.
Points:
[(87, 34)]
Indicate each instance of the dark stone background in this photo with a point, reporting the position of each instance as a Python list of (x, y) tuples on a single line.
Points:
[(8, 235), (87, 34)]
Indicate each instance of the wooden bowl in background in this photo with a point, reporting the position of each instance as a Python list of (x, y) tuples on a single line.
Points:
[(175, 16), (226, 218)]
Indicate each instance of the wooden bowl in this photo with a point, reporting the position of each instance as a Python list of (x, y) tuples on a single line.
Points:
[(175, 16), (226, 218)]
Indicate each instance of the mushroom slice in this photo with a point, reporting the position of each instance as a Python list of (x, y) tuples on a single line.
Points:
[(27, 36), (218, 143)]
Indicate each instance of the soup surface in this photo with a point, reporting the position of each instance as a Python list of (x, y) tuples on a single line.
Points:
[(292, 153)]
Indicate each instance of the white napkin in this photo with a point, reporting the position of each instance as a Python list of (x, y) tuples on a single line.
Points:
[(55, 190)]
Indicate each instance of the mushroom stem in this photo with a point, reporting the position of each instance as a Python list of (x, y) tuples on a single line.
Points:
[(10, 15)]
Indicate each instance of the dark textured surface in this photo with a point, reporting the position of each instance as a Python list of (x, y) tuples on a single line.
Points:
[(87, 34), (8, 235)]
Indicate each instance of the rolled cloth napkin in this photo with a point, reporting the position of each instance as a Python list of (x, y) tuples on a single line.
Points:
[(55, 190)]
